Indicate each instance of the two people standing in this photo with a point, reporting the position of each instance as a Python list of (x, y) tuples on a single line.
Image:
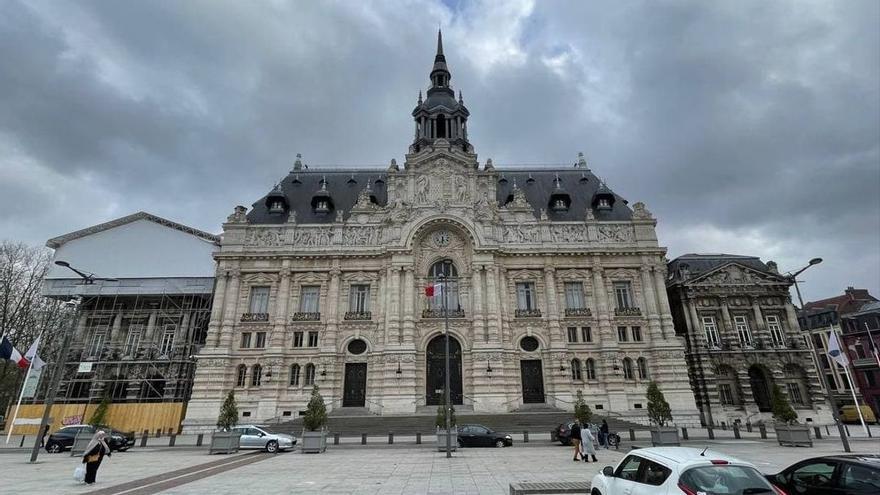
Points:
[(583, 441), (94, 454)]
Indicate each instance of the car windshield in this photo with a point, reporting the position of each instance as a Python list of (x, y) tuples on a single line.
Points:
[(725, 480)]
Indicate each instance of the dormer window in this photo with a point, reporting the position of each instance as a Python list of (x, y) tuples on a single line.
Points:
[(559, 205), (322, 206), (604, 204), (276, 207)]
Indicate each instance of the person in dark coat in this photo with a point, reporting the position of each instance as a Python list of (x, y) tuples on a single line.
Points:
[(94, 454), (576, 440), (43, 436), (603, 434)]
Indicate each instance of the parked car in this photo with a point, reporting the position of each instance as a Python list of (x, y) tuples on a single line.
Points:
[(681, 470), (481, 436), (562, 433), (849, 414), (850, 474), (62, 439), (260, 437)]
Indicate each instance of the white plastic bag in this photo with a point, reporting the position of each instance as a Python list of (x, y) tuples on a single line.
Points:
[(79, 474)]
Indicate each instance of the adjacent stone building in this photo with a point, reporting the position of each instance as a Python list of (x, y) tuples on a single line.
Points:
[(741, 337), (861, 338), (554, 284)]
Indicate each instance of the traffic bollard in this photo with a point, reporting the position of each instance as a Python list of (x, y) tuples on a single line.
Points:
[(684, 433), (200, 439)]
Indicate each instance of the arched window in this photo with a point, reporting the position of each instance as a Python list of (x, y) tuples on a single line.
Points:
[(576, 370), (440, 270), (310, 374), (643, 368), (241, 376), (590, 368), (256, 375), (628, 369), (294, 375)]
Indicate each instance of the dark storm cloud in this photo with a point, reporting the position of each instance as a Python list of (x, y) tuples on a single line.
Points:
[(748, 127)]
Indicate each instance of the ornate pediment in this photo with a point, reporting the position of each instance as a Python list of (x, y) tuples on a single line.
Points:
[(260, 278), (735, 274)]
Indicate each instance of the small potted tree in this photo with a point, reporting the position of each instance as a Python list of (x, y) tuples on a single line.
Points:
[(96, 420), (226, 440), (440, 422), (789, 432), (314, 436), (660, 414), (582, 411)]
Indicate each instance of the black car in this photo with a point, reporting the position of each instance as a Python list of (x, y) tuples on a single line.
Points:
[(62, 439), (562, 433), (480, 436), (851, 474)]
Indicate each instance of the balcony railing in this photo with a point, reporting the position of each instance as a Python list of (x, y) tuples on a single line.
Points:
[(300, 316), (438, 313), (627, 312), (251, 317), (527, 313), (572, 312), (358, 315), (864, 362)]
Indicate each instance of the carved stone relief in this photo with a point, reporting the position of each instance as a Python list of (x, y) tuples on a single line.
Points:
[(615, 233)]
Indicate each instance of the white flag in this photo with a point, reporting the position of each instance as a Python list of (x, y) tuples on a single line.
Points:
[(32, 357), (835, 351)]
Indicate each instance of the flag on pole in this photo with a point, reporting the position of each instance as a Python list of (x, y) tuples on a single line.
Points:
[(32, 357), (7, 351), (835, 351), (434, 290)]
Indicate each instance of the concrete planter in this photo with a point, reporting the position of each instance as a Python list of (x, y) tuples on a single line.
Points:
[(664, 437), (225, 442), (314, 442), (441, 439), (793, 435)]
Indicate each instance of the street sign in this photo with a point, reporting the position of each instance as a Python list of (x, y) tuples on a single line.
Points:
[(85, 367), (30, 386)]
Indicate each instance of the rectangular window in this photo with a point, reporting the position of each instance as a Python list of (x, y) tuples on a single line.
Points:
[(711, 329), (261, 340), (297, 339), (259, 300), (133, 341), (794, 393), (572, 335), (313, 339), (637, 334), (96, 344), (167, 340), (621, 334), (775, 330), (586, 334), (309, 297), (870, 379), (245, 340), (525, 296), (622, 295), (725, 393), (743, 330), (359, 299), (574, 295)]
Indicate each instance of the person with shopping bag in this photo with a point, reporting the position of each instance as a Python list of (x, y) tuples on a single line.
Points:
[(94, 454)]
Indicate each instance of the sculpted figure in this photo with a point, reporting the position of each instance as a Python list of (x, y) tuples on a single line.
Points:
[(422, 186)]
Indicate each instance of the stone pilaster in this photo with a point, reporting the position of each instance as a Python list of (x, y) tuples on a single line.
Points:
[(605, 336), (329, 337), (392, 325), (213, 337), (231, 309), (116, 330), (730, 330), (409, 325), (667, 328), (760, 325), (480, 334), (494, 309), (150, 334), (557, 340), (282, 310), (650, 296)]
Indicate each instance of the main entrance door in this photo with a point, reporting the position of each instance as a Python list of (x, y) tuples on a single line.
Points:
[(760, 389), (354, 393), (532, 381), (435, 355)]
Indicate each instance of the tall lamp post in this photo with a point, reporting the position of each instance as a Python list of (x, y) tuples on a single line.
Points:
[(447, 400), (792, 277)]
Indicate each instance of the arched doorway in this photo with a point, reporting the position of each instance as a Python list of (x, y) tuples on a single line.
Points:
[(435, 357), (760, 387)]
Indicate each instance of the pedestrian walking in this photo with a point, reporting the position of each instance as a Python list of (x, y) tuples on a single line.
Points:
[(587, 445), (94, 454), (603, 434), (43, 436), (576, 439)]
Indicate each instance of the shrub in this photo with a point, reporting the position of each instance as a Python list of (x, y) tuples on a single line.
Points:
[(582, 411), (441, 417), (316, 411), (658, 409), (782, 410), (228, 413), (99, 416)]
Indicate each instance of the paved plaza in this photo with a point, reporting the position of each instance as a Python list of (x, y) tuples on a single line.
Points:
[(402, 468)]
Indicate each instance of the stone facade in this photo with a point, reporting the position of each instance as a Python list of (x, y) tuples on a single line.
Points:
[(554, 285), (742, 337)]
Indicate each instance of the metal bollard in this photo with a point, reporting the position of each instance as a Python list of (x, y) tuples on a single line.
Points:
[(390, 438), (818, 432), (171, 440), (144, 438), (846, 428), (336, 439), (632, 435), (525, 437), (763, 430), (20, 444), (200, 439), (158, 432), (827, 431), (724, 426), (736, 431), (684, 433), (711, 432), (868, 427), (749, 427), (363, 438), (418, 438)]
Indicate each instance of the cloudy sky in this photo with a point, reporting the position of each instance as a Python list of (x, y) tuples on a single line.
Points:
[(750, 127)]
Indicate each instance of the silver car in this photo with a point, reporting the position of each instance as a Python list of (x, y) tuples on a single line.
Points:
[(258, 437)]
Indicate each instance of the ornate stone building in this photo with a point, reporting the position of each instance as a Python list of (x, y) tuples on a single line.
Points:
[(742, 337), (554, 285)]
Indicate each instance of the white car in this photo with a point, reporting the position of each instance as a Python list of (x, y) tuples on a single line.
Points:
[(258, 437), (681, 471)]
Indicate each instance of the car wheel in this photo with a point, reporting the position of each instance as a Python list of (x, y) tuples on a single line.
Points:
[(595, 492), (53, 447), (272, 447), (499, 443), (460, 444)]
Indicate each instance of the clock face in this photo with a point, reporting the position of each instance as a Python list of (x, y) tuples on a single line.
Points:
[(441, 237)]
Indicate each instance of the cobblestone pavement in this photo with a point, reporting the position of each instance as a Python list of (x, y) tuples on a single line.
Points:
[(355, 469)]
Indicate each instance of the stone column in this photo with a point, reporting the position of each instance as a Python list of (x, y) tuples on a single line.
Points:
[(730, 331), (330, 333), (81, 324), (115, 331), (150, 335), (494, 304), (379, 308), (393, 315), (666, 326), (650, 297), (282, 301), (477, 306), (213, 337), (557, 339), (230, 312), (793, 326), (409, 325), (601, 296), (696, 327), (760, 326)]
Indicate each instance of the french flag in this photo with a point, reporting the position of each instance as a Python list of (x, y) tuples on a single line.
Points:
[(434, 290), (7, 351)]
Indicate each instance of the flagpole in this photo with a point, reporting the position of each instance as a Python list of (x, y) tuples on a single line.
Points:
[(856, 400), (873, 344), (20, 395)]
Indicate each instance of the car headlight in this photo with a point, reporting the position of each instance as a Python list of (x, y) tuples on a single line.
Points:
[(508, 437)]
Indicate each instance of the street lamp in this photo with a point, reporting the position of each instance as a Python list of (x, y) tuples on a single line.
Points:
[(792, 277)]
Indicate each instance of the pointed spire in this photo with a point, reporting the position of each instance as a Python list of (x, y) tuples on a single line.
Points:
[(439, 44), (460, 99), (420, 97)]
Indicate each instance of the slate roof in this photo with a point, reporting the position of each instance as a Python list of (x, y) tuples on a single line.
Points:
[(698, 264), (344, 187), (848, 302)]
